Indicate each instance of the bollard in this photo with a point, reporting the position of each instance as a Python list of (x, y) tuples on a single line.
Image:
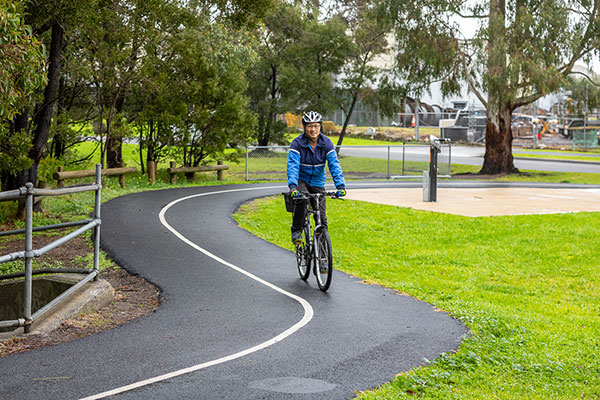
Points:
[(430, 177)]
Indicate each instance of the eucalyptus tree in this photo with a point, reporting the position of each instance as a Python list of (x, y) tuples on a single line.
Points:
[(191, 96), (360, 76), (22, 74), (521, 51), (584, 93), (32, 123), (281, 29), (308, 80), (211, 65)]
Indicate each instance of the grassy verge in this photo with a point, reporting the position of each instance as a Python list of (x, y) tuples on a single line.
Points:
[(528, 287), (574, 157)]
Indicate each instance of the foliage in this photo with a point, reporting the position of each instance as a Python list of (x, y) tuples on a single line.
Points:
[(307, 81), (520, 52), (359, 77), (585, 94), (211, 66), (282, 27), (22, 57), (526, 286)]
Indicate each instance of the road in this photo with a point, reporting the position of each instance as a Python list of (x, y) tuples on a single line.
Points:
[(236, 322)]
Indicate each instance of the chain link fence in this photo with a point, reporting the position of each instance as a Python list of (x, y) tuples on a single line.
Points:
[(398, 161)]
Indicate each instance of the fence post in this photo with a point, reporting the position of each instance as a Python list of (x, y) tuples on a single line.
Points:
[(449, 159), (246, 162), (42, 185), (122, 177), (220, 172), (417, 106), (59, 182), (388, 172), (403, 155), (28, 256), (152, 172), (172, 164), (97, 216)]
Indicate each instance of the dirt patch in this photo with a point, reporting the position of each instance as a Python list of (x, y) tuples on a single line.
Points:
[(134, 297)]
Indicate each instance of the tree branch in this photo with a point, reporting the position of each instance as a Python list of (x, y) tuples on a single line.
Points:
[(470, 82), (597, 84), (577, 54)]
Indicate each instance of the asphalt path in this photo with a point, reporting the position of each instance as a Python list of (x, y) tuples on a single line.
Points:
[(236, 322)]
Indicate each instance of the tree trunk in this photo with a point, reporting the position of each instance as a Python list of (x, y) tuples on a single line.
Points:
[(114, 143), (44, 117), (269, 118), (498, 157), (57, 147), (346, 121)]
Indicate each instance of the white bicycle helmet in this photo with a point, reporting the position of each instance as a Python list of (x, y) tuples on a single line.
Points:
[(310, 117)]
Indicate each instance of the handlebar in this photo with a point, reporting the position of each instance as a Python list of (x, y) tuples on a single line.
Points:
[(306, 195)]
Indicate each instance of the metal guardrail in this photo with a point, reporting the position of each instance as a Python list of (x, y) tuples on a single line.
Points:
[(394, 161), (29, 192)]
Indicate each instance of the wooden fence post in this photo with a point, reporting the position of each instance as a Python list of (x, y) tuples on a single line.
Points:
[(60, 183), (220, 172), (122, 177), (152, 172), (172, 164)]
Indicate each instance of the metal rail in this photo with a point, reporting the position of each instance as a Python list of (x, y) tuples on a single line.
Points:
[(378, 152), (29, 192)]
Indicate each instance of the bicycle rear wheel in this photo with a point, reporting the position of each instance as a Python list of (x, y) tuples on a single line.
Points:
[(303, 256), (324, 262)]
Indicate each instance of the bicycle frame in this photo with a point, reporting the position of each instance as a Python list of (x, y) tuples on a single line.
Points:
[(310, 210)]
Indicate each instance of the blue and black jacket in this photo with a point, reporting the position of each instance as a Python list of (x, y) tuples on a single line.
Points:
[(308, 165)]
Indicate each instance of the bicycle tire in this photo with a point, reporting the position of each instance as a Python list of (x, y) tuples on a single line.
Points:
[(324, 263), (303, 256)]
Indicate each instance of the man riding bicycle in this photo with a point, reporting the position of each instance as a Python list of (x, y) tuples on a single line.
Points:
[(306, 168)]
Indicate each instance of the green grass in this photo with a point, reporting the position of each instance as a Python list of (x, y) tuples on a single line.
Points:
[(581, 157), (528, 287)]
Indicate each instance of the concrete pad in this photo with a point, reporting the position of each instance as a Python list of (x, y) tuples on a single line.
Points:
[(486, 201), (91, 296)]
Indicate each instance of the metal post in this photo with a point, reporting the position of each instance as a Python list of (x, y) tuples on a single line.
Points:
[(28, 257), (417, 106), (388, 174), (403, 155), (449, 158), (246, 162), (97, 216), (534, 125)]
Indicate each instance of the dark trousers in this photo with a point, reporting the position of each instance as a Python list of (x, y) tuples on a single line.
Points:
[(300, 210)]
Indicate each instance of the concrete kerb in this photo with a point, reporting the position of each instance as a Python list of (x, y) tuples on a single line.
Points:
[(91, 296)]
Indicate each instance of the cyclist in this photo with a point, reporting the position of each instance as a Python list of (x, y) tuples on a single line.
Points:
[(307, 157)]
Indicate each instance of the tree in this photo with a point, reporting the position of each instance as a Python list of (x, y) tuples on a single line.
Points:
[(212, 63), (191, 98), (35, 124), (22, 58), (308, 81), (585, 93), (281, 29), (522, 50), (359, 76)]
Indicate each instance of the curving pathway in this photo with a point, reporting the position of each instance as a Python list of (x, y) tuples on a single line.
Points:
[(236, 321)]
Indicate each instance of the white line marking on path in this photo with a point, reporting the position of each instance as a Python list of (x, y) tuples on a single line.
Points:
[(308, 310)]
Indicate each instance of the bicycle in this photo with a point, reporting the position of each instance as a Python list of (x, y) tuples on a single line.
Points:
[(315, 247)]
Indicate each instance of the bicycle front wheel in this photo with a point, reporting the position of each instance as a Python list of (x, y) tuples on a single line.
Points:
[(303, 256), (324, 261)]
